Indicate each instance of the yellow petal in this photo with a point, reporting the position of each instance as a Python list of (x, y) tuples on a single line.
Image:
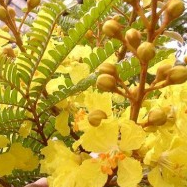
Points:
[(65, 175), (25, 158), (101, 138), (61, 123), (25, 129), (101, 101), (132, 136), (7, 164), (170, 60), (5, 34), (79, 71), (90, 175), (3, 141), (53, 84), (129, 172), (55, 151), (155, 178)]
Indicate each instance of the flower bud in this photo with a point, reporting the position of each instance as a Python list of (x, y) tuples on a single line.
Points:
[(174, 9), (107, 68), (3, 13), (162, 72), (11, 12), (89, 34), (106, 82), (95, 117), (112, 29), (134, 91), (31, 4), (9, 52), (133, 37), (177, 75), (146, 51), (156, 117)]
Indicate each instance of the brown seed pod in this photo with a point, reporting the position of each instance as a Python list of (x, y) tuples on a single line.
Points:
[(146, 51), (174, 9), (89, 34), (9, 52), (3, 13), (177, 75), (106, 82), (107, 68), (31, 4), (162, 72), (156, 117), (11, 12), (95, 117), (112, 28), (133, 37)]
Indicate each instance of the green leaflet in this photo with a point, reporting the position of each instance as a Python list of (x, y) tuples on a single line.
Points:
[(128, 69)]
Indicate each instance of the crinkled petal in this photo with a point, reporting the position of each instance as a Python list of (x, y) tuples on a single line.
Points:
[(98, 101), (155, 178), (90, 175), (61, 123), (129, 172), (3, 141), (56, 153), (132, 136), (7, 164), (101, 138)]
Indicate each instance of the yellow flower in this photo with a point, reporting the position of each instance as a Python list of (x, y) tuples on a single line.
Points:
[(3, 141), (25, 129), (7, 164), (25, 159)]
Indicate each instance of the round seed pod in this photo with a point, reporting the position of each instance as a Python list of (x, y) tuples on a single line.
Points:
[(157, 117), (107, 68), (3, 13), (174, 9), (177, 75), (146, 51), (106, 82), (95, 117), (162, 72), (133, 37), (112, 28), (31, 4)]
